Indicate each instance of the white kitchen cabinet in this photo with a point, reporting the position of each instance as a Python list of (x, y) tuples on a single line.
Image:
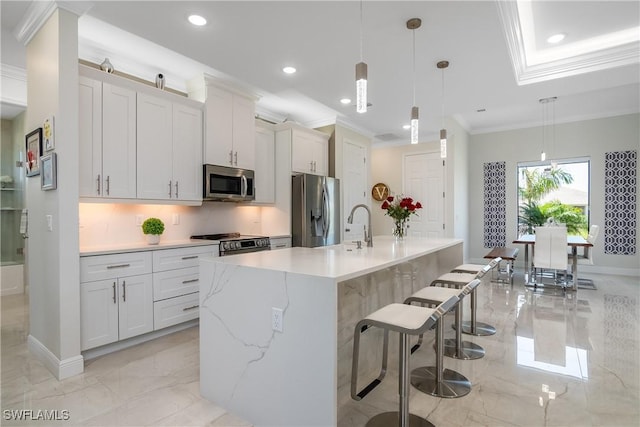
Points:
[(309, 148), (265, 171), (115, 302), (176, 284), (107, 136), (280, 242), (169, 141), (230, 128)]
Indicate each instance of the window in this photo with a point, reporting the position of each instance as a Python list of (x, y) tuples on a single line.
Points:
[(557, 191)]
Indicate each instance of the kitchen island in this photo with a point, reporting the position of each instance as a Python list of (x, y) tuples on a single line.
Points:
[(276, 327)]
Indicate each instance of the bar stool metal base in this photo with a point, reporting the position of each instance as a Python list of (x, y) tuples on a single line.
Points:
[(453, 384), (469, 350), (481, 330), (390, 419)]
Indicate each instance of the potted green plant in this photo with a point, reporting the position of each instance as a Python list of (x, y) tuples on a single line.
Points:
[(153, 228)]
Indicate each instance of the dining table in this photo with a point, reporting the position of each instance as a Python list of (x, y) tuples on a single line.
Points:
[(573, 242)]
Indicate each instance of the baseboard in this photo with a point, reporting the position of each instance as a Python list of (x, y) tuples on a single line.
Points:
[(121, 345), (61, 369)]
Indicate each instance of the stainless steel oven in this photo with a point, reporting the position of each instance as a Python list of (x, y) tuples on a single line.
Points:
[(235, 243), (222, 183)]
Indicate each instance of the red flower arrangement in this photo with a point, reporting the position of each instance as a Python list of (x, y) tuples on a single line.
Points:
[(400, 209)]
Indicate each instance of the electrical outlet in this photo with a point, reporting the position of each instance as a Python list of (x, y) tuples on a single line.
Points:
[(138, 219), (49, 219), (277, 318), (175, 219)]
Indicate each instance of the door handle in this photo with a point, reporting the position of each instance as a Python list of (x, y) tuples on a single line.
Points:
[(169, 189), (114, 292), (98, 184), (243, 189), (231, 157), (108, 184), (184, 282), (190, 308), (236, 159), (176, 189), (124, 291)]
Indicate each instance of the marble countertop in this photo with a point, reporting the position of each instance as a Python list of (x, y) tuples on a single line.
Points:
[(340, 262), (142, 246)]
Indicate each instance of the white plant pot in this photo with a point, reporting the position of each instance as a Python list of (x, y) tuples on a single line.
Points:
[(153, 239)]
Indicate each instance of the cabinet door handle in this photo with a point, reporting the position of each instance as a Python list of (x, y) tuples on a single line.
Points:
[(190, 257), (108, 184), (114, 292), (176, 189), (283, 245), (235, 162), (311, 166), (118, 266), (98, 184), (231, 157), (190, 308), (169, 189), (189, 281), (124, 291)]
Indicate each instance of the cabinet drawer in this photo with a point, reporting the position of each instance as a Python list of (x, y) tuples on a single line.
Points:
[(171, 259), (172, 311), (100, 267), (174, 283)]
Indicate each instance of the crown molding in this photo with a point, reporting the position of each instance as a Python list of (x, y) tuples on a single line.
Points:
[(40, 11), (596, 60), (14, 85)]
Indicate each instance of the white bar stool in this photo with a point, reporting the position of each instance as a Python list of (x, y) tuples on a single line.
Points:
[(436, 380), (406, 320), (458, 280), (434, 295)]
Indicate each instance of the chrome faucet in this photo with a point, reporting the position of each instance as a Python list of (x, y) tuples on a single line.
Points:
[(368, 237)]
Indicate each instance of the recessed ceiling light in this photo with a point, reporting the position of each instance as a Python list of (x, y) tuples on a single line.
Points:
[(197, 20), (289, 70), (406, 127), (556, 38), (345, 101)]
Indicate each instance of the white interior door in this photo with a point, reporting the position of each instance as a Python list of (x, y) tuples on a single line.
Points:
[(354, 189), (424, 182)]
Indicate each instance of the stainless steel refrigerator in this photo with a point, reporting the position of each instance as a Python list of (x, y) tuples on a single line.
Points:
[(315, 211)]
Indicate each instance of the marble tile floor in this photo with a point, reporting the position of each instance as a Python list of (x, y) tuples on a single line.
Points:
[(155, 383), (556, 360)]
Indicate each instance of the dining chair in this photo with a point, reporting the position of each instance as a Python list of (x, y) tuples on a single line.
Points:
[(551, 251)]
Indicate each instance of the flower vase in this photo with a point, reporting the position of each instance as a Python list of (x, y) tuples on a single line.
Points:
[(400, 229)]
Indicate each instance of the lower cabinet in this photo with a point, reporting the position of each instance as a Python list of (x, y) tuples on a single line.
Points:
[(115, 309), (280, 242), (128, 294)]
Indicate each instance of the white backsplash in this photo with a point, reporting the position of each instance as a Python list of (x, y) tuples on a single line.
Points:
[(108, 224)]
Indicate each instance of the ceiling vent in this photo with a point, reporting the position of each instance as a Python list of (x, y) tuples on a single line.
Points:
[(388, 137)]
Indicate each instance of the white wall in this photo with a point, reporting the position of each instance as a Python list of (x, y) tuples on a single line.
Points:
[(387, 167), (591, 138), (53, 265)]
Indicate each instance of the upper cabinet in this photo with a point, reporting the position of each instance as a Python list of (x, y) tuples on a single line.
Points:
[(138, 142), (169, 147), (265, 171), (229, 123), (309, 148), (107, 140)]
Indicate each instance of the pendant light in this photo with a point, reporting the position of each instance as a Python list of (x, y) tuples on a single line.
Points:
[(545, 128), (361, 76), (413, 24), (443, 132)]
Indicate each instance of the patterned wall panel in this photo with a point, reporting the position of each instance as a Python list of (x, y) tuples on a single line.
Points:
[(620, 216), (495, 205)]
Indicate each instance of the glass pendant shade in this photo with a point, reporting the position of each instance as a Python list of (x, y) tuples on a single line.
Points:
[(414, 125), (443, 143), (361, 87)]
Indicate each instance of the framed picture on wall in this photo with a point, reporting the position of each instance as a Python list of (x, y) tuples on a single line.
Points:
[(49, 133), (33, 150), (49, 173)]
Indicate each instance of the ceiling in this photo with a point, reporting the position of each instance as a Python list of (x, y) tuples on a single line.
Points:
[(500, 62)]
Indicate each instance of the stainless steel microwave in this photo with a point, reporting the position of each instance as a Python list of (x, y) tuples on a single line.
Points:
[(227, 184)]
